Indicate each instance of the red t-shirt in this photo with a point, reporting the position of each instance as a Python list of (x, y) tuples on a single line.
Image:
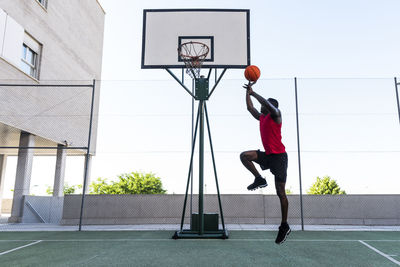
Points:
[(271, 135)]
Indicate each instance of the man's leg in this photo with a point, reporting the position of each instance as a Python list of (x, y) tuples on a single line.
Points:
[(284, 228), (247, 159), (280, 191)]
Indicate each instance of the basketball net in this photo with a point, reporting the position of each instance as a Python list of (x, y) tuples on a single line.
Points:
[(193, 55)]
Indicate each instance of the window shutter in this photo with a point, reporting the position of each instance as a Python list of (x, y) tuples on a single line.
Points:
[(3, 16), (32, 43), (13, 39)]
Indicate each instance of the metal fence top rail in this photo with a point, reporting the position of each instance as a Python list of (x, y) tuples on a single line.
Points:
[(41, 147), (47, 85)]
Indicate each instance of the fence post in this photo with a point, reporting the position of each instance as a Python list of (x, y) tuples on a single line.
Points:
[(298, 154), (87, 156), (397, 96)]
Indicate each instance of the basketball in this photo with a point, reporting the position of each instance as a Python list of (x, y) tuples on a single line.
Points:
[(252, 73)]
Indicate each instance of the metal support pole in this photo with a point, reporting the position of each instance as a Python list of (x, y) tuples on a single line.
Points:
[(298, 154), (87, 153), (201, 168), (217, 82), (215, 169), (209, 73), (176, 79), (193, 140), (199, 231), (190, 171), (397, 96)]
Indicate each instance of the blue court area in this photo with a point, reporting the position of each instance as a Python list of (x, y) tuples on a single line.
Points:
[(156, 248)]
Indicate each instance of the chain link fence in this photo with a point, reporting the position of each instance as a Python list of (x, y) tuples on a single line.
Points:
[(347, 129), (41, 126)]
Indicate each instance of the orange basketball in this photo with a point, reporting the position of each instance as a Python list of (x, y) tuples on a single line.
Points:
[(252, 73)]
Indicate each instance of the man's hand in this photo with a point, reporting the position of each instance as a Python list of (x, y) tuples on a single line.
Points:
[(249, 88), (249, 92)]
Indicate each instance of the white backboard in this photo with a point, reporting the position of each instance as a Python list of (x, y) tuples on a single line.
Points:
[(225, 31)]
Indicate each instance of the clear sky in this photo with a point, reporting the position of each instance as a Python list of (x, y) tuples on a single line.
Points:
[(307, 38), (349, 128)]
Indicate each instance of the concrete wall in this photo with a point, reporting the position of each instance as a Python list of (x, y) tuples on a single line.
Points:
[(255, 209), (71, 34), (37, 209), (6, 206)]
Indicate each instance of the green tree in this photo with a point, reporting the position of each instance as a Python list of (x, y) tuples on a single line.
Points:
[(129, 183), (68, 190), (325, 186), (288, 191)]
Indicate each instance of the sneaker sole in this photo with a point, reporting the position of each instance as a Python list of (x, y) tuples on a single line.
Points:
[(284, 239), (260, 186)]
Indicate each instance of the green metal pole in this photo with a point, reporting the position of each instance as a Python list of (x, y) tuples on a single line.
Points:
[(190, 174), (201, 168), (217, 82), (215, 168), (176, 79)]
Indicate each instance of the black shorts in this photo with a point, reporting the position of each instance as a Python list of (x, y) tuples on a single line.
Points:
[(276, 163)]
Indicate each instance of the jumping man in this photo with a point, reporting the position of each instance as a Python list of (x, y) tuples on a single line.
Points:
[(275, 156)]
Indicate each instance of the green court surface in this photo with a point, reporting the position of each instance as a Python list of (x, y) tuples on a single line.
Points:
[(156, 248)]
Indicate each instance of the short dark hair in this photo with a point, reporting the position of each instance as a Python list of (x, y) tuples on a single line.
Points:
[(274, 102)]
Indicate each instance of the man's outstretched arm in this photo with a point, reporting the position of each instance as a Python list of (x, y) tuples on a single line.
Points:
[(275, 112), (250, 107)]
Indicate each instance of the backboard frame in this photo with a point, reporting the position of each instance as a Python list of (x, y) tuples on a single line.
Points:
[(210, 58)]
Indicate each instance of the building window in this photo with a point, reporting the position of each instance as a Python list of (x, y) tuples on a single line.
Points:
[(29, 61), (43, 3), (30, 56)]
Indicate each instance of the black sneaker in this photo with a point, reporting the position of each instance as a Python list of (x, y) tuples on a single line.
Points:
[(284, 231), (259, 182)]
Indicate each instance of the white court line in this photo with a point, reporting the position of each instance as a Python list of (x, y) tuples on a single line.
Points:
[(380, 252), (86, 261), (14, 249)]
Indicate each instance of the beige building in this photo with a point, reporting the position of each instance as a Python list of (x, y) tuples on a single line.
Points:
[(47, 43)]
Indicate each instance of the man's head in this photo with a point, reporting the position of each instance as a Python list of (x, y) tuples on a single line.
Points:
[(273, 101)]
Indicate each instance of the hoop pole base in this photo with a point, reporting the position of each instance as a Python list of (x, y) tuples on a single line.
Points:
[(202, 121), (188, 234)]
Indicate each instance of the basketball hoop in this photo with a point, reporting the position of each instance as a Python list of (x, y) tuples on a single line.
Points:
[(193, 54)]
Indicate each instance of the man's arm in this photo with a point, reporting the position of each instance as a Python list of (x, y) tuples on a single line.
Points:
[(275, 112), (253, 111)]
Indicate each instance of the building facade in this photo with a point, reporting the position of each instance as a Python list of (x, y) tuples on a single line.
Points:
[(47, 42)]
